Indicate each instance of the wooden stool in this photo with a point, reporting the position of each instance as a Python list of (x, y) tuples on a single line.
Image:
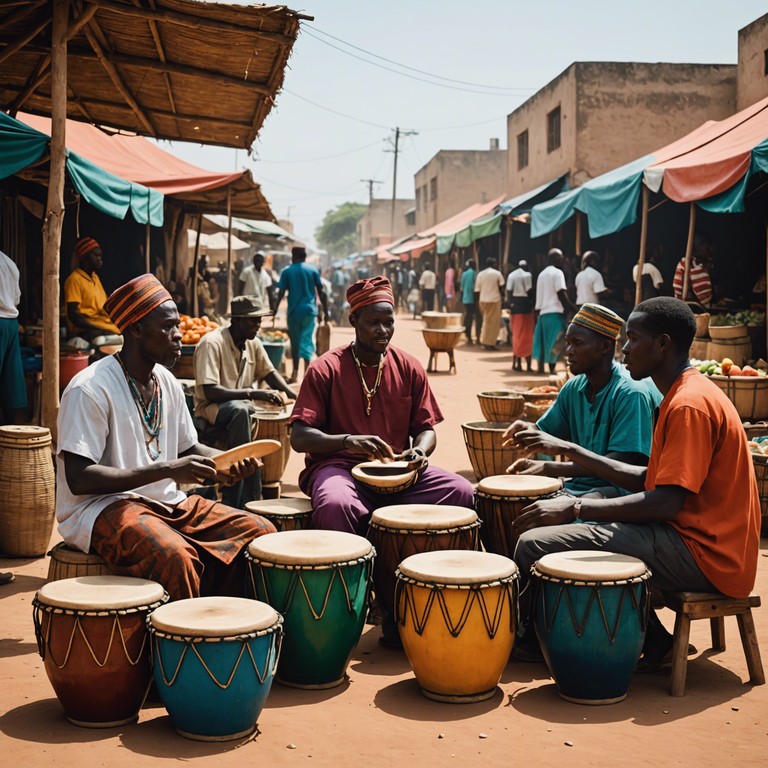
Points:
[(689, 606), (432, 364), (66, 563)]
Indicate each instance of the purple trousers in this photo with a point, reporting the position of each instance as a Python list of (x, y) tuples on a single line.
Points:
[(340, 503)]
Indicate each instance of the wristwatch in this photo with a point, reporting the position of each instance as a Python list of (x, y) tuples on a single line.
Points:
[(577, 509)]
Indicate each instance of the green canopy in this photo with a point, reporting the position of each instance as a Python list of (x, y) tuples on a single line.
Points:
[(22, 146), (484, 227)]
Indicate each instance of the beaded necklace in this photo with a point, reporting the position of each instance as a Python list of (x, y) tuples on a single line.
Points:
[(152, 415), (368, 392)]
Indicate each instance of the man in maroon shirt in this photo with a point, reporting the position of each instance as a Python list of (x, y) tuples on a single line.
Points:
[(368, 400)]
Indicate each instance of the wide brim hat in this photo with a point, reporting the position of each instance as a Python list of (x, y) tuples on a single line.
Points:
[(248, 306)]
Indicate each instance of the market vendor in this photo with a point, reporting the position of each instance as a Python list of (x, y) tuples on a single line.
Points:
[(601, 408), (699, 280), (693, 515), (229, 364), (125, 443), (368, 400), (84, 294)]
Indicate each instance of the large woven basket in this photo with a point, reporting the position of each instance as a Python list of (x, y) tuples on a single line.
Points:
[(502, 405), (534, 411), (27, 491), (442, 339), (441, 319), (760, 464), (486, 453), (748, 393)]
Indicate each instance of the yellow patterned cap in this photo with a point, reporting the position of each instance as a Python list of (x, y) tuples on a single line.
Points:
[(599, 319)]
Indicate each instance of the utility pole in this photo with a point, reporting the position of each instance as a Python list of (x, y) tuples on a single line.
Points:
[(370, 183), (396, 150)]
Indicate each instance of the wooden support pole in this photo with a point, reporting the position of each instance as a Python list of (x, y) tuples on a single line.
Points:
[(146, 248), (229, 246), (689, 249), (195, 267), (766, 282), (54, 218), (506, 265), (643, 243), (578, 234)]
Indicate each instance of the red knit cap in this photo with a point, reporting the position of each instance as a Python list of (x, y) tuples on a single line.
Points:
[(85, 245), (370, 291), (137, 298)]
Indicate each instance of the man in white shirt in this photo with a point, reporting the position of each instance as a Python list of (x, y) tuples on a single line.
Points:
[(126, 442), (652, 282), (13, 390), (489, 285), (428, 284), (521, 319), (590, 287), (551, 303), (255, 281)]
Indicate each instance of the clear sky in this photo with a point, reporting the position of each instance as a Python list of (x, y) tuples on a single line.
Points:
[(309, 158)]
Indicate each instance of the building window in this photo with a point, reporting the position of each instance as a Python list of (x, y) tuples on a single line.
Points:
[(553, 130), (433, 188), (765, 61), (522, 150), (418, 198), (424, 196)]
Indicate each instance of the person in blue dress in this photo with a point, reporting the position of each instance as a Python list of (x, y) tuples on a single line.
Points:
[(601, 408), (304, 287)]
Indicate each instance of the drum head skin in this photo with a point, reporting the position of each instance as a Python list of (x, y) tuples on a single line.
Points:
[(380, 474), (458, 567), (100, 593), (423, 517), (257, 450), (287, 507), (585, 565), (519, 485), (213, 617), (309, 547)]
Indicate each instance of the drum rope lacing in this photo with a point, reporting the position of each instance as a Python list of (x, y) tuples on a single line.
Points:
[(475, 524), (296, 580), (191, 642), (595, 595), (43, 638), (491, 619)]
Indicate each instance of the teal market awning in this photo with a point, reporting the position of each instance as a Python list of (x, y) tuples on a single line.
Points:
[(609, 201), (523, 203), (483, 227), (22, 146)]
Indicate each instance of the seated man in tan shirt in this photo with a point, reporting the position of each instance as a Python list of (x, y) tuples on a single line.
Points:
[(229, 363)]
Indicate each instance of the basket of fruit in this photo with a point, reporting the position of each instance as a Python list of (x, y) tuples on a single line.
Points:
[(745, 386)]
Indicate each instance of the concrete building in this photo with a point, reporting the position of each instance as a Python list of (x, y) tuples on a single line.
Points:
[(596, 116), (375, 225), (752, 78), (454, 179)]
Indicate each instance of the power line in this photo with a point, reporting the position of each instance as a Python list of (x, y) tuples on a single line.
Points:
[(341, 114), (324, 157), (411, 77), (420, 71)]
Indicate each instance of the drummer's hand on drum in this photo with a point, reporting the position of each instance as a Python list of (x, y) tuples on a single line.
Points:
[(191, 469), (239, 471), (527, 467), (416, 458), (369, 445), (555, 511)]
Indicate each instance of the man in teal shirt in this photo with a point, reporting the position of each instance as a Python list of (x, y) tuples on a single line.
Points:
[(304, 288), (601, 408), (467, 287)]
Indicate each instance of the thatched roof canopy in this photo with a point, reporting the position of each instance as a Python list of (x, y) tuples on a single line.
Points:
[(173, 69)]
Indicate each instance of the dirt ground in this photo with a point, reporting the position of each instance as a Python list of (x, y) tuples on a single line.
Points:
[(378, 717)]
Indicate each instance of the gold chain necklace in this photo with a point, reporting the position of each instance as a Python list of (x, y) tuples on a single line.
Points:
[(368, 392)]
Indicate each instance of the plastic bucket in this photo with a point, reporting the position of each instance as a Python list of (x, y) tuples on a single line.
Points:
[(69, 365)]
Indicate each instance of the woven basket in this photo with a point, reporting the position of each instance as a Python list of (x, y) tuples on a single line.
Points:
[(441, 319), (748, 393), (27, 491), (760, 464), (502, 406), (67, 563), (486, 453), (755, 430), (702, 324), (726, 331), (534, 411), (442, 339)]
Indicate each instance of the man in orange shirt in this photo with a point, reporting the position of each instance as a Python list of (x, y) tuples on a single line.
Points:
[(694, 514)]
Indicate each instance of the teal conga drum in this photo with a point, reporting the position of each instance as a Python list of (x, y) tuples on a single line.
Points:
[(214, 659), (590, 612), (318, 581)]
